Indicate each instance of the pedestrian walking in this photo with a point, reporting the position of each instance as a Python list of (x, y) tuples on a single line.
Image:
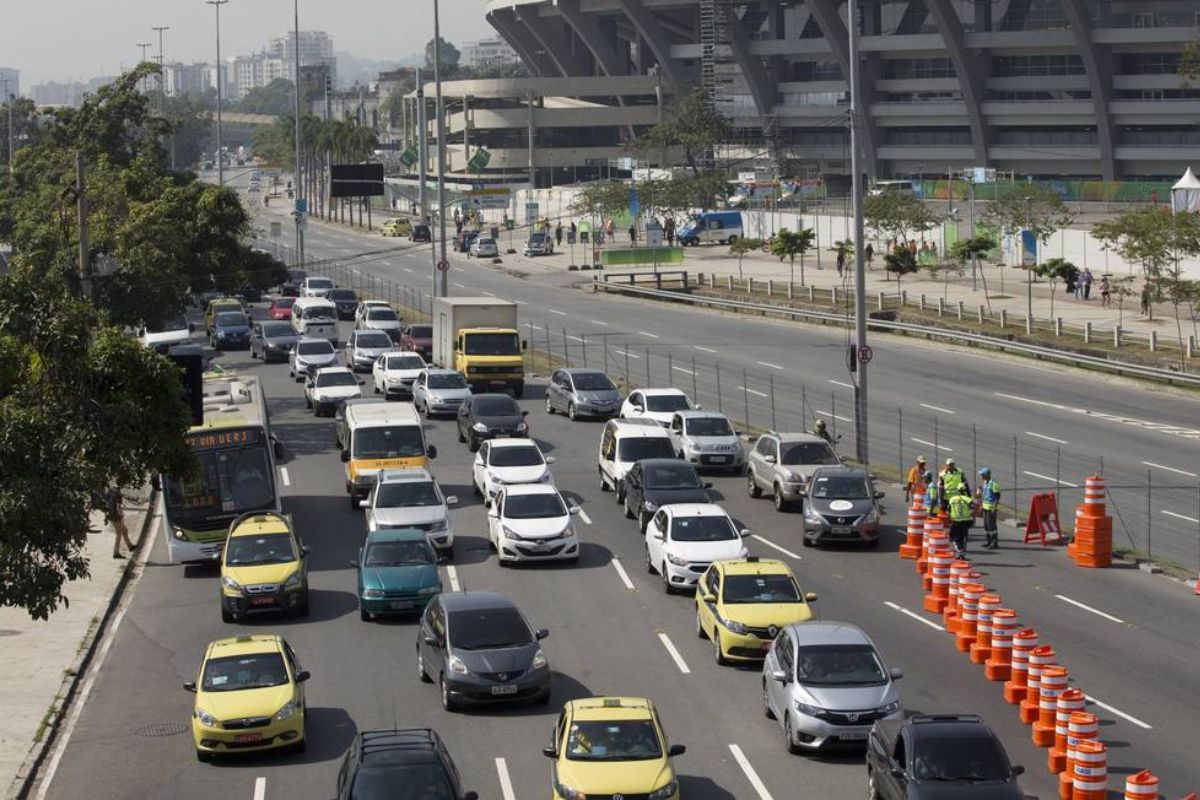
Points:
[(573, 229), (1085, 281), (1146, 301), (1105, 292), (916, 475), (610, 230), (633, 233), (558, 234), (841, 261), (961, 517), (669, 230), (869, 252), (114, 513), (989, 500)]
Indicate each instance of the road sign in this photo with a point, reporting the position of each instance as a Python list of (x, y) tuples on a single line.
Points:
[(494, 198), (443, 266), (865, 355), (479, 161), (301, 206), (409, 156)]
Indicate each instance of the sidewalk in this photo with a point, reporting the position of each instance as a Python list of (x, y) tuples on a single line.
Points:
[(43, 659)]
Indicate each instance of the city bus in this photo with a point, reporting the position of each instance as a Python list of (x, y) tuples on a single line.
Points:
[(236, 454)]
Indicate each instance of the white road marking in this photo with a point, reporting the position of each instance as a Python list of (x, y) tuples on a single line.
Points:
[(1119, 713), (556, 311), (489, 294), (931, 444), (535, 326), (583, 515), (705, 349), (1048, 478), (678, 659), (452, 574), (1085, 607), (506, 787), (1181, 516), (1047, 438), (622, 574), (831, 414), (458, 286), (624, 353), (598, 322), (345, 249), (1159, 427), (768, 364), (287, 479), (751, 775), (574, 338), (840, 383), (682, 369), (769, 543), (936, 408), (915, 616), (753, 391), (406, 269), (651, 335), (260, 788), (1171, 469)]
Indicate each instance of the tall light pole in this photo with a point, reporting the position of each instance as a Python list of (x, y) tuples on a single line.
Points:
[(162, 85), (860, 356), (301, 205), (10, 100), (441, 150), (143, 45), (216, 4)]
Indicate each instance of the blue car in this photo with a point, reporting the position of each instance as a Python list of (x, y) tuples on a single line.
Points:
[(230, 331), (397, 573)]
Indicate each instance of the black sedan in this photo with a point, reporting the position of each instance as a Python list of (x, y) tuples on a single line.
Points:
[(656, 482), (420, 233), (379, 761), (346, 301), (487, 416)]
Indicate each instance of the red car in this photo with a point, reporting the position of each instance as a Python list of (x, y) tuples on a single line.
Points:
[(418, 339), (281, 308)]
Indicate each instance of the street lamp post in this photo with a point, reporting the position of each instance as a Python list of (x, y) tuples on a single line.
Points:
[(10, 100), (216, 4), (441, 149), (162, 85), (144, 46), (861, 354), (301, 197)]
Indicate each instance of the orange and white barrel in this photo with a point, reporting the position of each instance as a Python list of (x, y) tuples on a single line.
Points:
[(968, 615), (981, 648), (915, 532), (1142, 786), (1052, 683), (918, 497), (1069, 702), (1004, 627), (1093, 496), (1081, 725), (1023, 643), (933, 524), (1040, 657), (937, 540), (940, 560), (1090, 776)]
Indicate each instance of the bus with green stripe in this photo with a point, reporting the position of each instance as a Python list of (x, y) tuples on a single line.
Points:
[(236, 473)]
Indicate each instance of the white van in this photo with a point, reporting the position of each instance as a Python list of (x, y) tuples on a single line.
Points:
[(626, 441), (315, 317)]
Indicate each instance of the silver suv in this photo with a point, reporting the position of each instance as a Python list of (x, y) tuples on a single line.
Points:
[(782, 463)]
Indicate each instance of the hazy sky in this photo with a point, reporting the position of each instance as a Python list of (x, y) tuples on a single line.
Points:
[(73, 39)]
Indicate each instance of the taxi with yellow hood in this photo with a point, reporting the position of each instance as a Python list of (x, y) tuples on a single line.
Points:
[(742, 604), (378, 437), (264, 567)]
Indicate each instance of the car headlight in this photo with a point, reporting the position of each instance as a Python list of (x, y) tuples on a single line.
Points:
[(289, 708), (546, 478), (734, 625), (429, 590), (539, 660), (177, 532), (457, 666), (479, 427), (373, 593), (792, 477), (664, 792), (231, 585), (293, 580), (564, 791), (205, 718), (890, 708), (509, 533), (811, 514), (676, 560), (522, 427), (869, 517), (439, 527), (807, 710), (649, 506), (436, 399)]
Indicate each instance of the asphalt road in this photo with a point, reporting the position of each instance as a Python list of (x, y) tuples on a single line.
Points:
[(605, 638)]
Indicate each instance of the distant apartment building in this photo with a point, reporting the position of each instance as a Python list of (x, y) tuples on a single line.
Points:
[(316, 49), (12, 78), (180, 78), (66, 93), (278, 60), (485, 53)]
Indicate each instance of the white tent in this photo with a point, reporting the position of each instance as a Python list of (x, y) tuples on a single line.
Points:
[(1185, 194)]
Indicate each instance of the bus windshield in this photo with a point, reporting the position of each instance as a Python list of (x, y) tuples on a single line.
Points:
[(234, 475)]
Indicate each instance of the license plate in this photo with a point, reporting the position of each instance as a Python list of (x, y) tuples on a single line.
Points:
[(262, 601), (843, 530), (538, 548), (853, 736), (400, 605), (246, 738), (717, 459), (503, 690)]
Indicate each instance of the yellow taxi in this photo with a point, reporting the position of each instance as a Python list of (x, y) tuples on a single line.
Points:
[(612, 747), (249, 697), (219, 305), (397, 226), (742, 604), (264, 567)]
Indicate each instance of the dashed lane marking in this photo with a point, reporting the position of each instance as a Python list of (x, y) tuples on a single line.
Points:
[(583, 515), (831, 414), (598, 322), (1086, 607), (683, 369), (842, 384), (622, 574), (283, 473), (769, 543), (556, 311), (506, 787), (743, 762), (931, 444), (753, 391), (1158, 427), (1171, 469), (260, 788), (1040, 476), (1143, 725), (678, 659), (914, 615), (1047, 438), (705, 349), (650, 335), (769, 365), (936, 408), (1181, 516), (452, 574)]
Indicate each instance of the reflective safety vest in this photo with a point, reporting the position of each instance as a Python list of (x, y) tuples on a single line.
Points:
[(990, 495), (960, 508), (951, 480), (931, 496)]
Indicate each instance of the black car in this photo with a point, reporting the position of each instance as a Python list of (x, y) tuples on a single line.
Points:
[(486, 416), (291, 287), (655, 482), (420, 233), (272, 340), (346, 301), (378, 763), (478, 648), (944, 756)]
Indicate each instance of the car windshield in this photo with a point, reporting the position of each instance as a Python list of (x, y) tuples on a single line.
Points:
[(534, 506), (399, 554), (495, 407), (251, 671), (379, 314), (492, 344), (965, 758), (319, 312), (401, 781), (839, 665), (672, 476), (404, 362), (230, 319), (516, 457), (799, 453), (321, 348), (760, 589), (372, 339), (407, 494), (840, 487), (613, 740), (274, 548), (320, 283), (488, 629), (273, 329), (593, 382), (709, 426), (297, 275), (637, 448), (342, 294), (702, 529), (447, 380), (284, 302), (398, 441), (421, 331), (171, 324), (338, 378), (667, 402), (537, 238), (486, 242)]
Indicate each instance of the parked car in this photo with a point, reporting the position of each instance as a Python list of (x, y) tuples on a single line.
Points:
[(539, 244), (378, 761), (706, 439), (310, 354), (841, 505), (487, 416), (419, 339), (397, 573), (272, 341), (230, 331), (655, 482), (281, 308), (346, 301), (397, 226), (659, 405), (316, 286), (411, 499), (295, 279), (682, 540), (395, 373), (364, 347), (440, 391), (328, 386), (582, 392), (508, 462), (532, 522), (783, 463), (420, 233), (484, 247), (462, 241)]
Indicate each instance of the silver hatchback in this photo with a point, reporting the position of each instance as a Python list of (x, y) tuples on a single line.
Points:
[(782, 463), (826, 684), (582, 393)]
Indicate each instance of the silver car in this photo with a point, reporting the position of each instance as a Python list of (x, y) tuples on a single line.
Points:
[(310, 354), (841, 506), (706, 439), (582, 393), (364, 347), (440, 391), (826, 684), (782, 463)]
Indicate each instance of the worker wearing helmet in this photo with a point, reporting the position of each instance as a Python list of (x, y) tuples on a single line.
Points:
[(820, 430), (961, 517), (915, 480), (988, 493)]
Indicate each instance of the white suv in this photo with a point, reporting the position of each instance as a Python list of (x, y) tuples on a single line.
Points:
[(706, 439), (683, 539), (503, 462), (656, 404), (411, 498)]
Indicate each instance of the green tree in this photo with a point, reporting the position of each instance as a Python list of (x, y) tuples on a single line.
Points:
[(1189, 63), (1055, 270), (276, 98), (450, 56), (892, 215), (789, 244), (900, 261), (740, 247), (1028, 207), (970, 250), (693, 125)]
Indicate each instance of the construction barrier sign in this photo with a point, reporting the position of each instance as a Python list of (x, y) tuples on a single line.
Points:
[(1042, 523)]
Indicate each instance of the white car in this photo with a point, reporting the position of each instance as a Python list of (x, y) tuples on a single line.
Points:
[(395, 373), (364, 348), (360, 313), (411, 498), (706, 439), (329, 386), (484, 247), (316, 286), (382, 318), (310, 354), (440, 391), (163, 335), (659, 405), (530, 522), (684, 538), (503, 462)]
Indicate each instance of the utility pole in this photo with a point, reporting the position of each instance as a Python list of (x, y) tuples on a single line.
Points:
[(216, 4), (85, 267), (422, 200), (143, 45), (860, 279), (301, 196), (11, 101), (441, 150), (162, 85)]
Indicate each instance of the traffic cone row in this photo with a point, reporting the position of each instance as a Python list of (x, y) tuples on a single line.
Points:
[(1093, 527)]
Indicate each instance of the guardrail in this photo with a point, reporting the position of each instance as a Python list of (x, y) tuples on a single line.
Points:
[(961, 337), (656, 277)]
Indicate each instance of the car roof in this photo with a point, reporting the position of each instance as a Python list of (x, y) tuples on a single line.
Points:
[(245, 645), (224, 301), (398, 746), (666, 462), (475, 601), (754, 566), (829, 632), (606, 708), (489, 395), (371, 332), (641, 427), (374, 303), (696, 510), (696, 413), (662, 392), (312, 339), (404, 353), (950, 726), (398, 535), (529, 488), (583, 371), (408, 475), (260, 523), (441, 370), (374, 414), (840, 472), (515, 442), (329, 370), (796, 437)]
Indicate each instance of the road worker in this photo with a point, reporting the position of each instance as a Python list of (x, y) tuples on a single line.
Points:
[(961, 517), (820, 430), (932, 493), (952, 478), (915, 479), (988, 493)]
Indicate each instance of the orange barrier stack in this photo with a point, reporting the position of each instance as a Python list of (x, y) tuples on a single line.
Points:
[(1040, 657), (916, 530), (1090, 781), (939, 539), (939, 574), (1024, 641), (1004, 626), (1069, 702), (981, 648), (968, 616), (1080, 726), (1141, 786), (959, 575), (1093, 527), (933, 524), (1052, 683)]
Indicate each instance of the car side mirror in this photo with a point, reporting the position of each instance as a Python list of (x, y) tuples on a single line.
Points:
[(431, 451), (429, 638), (810, 597), (550, 459), (708, 485), (657, 534), (769, 459), (898, 773), (549, 752), (802, 492), (524, 413), (676, 750), (639, 408), (779, 675), (707, 597), (524, 344), (879, 495), (345, 456), (1017, 770), (361, 382), (364, 503), (541, 633), (452, 500), (354, 564), (896, 673), (698, 407), (574, 510), (744, 532), (302, 676), (190, 686), (191, 327), (493, 511)]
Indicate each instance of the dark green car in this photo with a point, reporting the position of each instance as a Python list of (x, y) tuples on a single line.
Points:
[(397, 573)]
